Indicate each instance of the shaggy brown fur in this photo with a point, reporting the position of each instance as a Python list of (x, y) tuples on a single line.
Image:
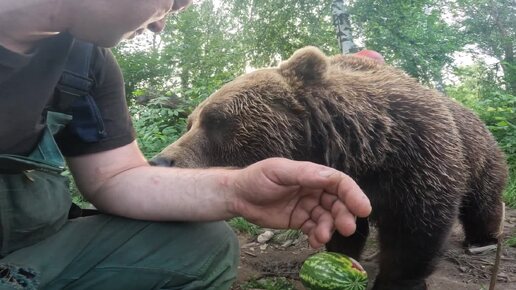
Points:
[(422, 158)]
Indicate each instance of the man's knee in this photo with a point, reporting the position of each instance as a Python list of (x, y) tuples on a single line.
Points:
[(212, 253), (222, 268)]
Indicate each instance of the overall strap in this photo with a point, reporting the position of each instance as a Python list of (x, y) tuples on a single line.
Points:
[(74, 94), (75, 80)]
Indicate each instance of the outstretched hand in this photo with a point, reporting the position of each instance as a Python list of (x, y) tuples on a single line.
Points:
[(281, 193)]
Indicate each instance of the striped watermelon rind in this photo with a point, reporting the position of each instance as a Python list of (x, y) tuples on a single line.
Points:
[(332, 271)]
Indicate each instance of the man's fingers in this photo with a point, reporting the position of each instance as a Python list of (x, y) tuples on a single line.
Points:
[(286, 172), (324, 225), (327, 200), (336, 196), (352, 196), (324, 229), (313, 241), (345, 221), (319, 227), (307, 227), (339, 184)]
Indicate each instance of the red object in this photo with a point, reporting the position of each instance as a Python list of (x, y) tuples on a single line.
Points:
[(371, 54)]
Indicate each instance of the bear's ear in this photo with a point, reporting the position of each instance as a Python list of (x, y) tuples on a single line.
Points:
[(306, 66)]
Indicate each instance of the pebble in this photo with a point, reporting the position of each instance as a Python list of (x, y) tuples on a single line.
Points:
[(265, 237)]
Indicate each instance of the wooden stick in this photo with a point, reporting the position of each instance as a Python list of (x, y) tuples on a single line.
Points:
[(250, 254), (494, 274), (480, 250)]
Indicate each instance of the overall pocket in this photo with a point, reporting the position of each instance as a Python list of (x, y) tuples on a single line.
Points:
[(34, 197), (33, 206)]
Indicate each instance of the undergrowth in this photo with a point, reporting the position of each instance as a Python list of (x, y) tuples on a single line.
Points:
[(272, 283)]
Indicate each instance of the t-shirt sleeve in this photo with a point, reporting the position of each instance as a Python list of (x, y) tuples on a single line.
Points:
[(109, 96)]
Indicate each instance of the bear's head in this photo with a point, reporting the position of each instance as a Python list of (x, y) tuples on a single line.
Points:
[(273, 112)]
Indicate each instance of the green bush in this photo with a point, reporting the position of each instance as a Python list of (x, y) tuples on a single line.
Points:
[(498, 111), (156, 126), (480, 90)]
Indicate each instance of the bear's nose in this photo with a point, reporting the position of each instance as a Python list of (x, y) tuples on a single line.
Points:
[(161, 161)]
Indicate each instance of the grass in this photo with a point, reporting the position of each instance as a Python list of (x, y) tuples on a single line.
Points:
[(510, 191), (286, 235), (241, 225), (511, 242), (272, 283), (509, 197), (510, 200)]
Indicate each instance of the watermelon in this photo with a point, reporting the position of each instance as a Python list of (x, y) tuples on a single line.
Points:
[(332, 271)]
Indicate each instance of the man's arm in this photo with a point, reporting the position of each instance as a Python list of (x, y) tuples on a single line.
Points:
[(275, 192), (121, 182)]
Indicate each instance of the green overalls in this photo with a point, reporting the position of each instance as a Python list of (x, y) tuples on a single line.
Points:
[(42, 249)]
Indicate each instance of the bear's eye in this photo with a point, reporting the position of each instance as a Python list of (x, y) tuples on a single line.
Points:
[(213, 120)]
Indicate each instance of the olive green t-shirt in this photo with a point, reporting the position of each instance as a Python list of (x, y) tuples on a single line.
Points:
[(27, 86)]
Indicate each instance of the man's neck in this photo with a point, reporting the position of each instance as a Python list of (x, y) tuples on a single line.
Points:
[(25, 22)]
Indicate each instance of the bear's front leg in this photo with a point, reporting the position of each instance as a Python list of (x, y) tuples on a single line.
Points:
[(410, 246), (353, 245)]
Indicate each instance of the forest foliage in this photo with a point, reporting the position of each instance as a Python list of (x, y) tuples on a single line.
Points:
[(464, 48)]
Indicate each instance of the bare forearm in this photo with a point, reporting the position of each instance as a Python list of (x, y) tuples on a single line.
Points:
[(164, 194)]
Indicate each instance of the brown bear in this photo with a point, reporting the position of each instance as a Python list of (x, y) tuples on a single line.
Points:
[(422, 158)]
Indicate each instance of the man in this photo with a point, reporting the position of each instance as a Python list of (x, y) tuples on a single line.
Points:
[(161, 227)]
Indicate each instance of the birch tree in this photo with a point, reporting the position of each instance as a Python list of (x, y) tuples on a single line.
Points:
[(340, 15)]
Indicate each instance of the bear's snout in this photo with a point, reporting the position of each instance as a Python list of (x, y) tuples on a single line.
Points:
[(162, 161)]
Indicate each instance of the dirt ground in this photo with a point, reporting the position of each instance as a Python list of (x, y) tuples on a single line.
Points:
[(456, 270)]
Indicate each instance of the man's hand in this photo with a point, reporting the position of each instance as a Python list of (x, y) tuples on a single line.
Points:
[(280, 193)]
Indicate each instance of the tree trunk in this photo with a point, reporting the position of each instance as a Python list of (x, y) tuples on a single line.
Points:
[(509, 69), (342, 24)]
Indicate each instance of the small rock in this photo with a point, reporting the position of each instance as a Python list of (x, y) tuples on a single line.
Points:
[(263, 247), (265, 237)]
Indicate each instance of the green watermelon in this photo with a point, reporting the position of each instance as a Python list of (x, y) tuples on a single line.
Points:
[(332, 271)]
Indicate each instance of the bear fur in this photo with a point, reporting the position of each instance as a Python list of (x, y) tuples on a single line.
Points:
[(422, 159)]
